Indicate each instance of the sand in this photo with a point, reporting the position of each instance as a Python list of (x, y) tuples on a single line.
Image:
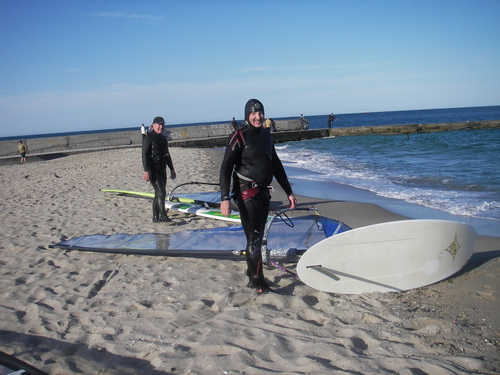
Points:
[(71, 312)]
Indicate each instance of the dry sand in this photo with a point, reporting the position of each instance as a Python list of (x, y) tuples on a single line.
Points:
[(70, 312)]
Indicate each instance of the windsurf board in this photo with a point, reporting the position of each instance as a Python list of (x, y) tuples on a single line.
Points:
[(188, 203), (393, 256), (201, 210)]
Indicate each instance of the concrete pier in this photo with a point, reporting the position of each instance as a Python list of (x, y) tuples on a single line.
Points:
[(208, 136), (214, 135), (414, 128)]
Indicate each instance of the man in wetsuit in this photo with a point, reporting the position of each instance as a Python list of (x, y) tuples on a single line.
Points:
[(155, 159), (251, 160)]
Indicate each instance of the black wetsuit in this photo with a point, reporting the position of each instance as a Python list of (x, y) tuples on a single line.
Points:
[(155, 159), (250, 155)]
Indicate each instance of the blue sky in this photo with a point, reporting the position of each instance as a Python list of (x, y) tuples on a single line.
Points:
[(86, 65)]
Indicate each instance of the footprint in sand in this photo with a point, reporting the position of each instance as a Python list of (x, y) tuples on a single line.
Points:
[(359, 346), (487, 293), (96, 288)]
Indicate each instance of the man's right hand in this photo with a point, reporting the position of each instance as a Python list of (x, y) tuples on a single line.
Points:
[(225, 208)]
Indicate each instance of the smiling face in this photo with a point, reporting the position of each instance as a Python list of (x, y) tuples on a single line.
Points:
[(158, 128), (254, 113), (256, 119)]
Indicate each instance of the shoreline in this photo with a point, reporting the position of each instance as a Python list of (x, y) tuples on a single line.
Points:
[(323, 189), (317, 189), (70, 312)]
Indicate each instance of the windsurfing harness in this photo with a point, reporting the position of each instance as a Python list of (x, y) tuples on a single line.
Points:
[(252, 188)]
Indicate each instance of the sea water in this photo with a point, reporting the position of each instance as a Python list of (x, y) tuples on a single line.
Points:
[(454, 174)]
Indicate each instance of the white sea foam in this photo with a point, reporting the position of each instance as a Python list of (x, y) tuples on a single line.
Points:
[(436, 184)]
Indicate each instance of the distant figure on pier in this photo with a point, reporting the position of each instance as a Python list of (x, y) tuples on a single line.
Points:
[(304, 124), (234, 123), (269, 125), (23, 150), (330, 120), (143, 131)]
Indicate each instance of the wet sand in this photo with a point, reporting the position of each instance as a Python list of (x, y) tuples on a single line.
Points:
[(71, 312)]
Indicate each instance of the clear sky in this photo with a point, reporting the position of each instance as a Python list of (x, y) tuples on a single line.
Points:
[(100, 64)]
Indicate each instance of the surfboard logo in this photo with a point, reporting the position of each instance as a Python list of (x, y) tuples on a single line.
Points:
[(453, 248)]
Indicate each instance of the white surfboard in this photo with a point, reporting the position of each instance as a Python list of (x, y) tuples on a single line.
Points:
[(393, 256)]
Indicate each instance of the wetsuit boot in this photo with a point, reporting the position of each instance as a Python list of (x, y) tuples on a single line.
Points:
[(255, 271), (155, 211), (162, 210)]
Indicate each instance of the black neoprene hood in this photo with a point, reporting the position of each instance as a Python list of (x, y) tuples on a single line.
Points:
[(253, 105)]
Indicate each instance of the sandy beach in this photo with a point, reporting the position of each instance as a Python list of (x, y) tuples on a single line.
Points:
[(71, 312)]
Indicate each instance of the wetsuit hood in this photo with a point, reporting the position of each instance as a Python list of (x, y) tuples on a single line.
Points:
[(253, 105)]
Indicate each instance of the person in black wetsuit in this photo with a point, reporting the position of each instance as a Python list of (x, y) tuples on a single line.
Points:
[(330, 120), (235, 124), (251, 160), (155, 159)]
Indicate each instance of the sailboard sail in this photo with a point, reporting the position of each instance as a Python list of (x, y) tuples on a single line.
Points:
[(218, 242)]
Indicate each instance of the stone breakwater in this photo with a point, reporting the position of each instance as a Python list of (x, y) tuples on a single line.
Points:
[(199, 136), (208, 136), (414, 128)]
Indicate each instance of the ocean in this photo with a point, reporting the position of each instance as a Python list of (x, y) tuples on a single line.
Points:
[(449, 175)]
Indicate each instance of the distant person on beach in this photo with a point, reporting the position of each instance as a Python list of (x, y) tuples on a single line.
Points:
[(251, 161), (269, 125), (330, 120), (143, 131), (234, 123), (23, 150), (155, 159)]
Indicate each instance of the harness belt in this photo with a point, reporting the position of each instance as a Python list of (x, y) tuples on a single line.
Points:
[(254, 188)]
